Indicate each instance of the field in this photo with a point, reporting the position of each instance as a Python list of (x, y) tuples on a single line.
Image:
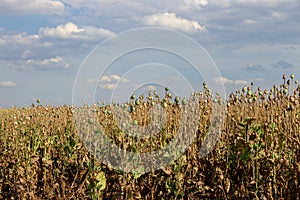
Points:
[(42, 155)]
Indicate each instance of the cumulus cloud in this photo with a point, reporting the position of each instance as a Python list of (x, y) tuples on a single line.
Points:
[(112, 78), (7, 84), (283, 65), (110, 81), (32, 7), (21, 39), (223, 80), (72, 31), (53, 63), (170, 20), (62, 31), (254, 67), (51, 42), (105, 79), (50, 63), (108, 86), (46, 49), (194, 4)]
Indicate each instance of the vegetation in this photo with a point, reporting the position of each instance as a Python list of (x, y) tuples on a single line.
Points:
[(42, 155)]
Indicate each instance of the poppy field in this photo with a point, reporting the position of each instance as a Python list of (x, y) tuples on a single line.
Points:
[(257, 155)]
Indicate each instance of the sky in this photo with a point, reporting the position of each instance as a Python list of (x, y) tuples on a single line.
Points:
[(46, 46)]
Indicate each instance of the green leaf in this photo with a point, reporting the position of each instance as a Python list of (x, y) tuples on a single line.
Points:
[(101, 181), (246, 154)]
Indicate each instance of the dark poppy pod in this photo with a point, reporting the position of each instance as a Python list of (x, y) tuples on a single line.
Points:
[(284, 77)]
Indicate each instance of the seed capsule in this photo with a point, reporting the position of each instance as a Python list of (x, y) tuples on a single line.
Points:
[(244, 89), (137, 102), (132, 97), (131, 109), (91, 120), (292, 76), (284, 77)]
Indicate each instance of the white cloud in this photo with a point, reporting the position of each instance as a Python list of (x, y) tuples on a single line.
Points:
[(194, 4), (7, 84), (225, 81), (21, 39), (277, 15), (222, 80), (72, 31), (46, 49), (240, 82), (63, 31), (113, 77), (151, 87), (27, 54), (249, 22), (110, 81), (170, 20), (31, 7), (50, 63), (105, 79), (108, 86)]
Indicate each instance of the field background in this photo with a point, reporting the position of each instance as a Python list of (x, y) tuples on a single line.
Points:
[(256, 157)]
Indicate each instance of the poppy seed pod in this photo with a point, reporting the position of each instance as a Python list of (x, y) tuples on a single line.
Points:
[(137, 102), (164, 104), (244, 89), (284, 77), (132, 97), (292, 76)]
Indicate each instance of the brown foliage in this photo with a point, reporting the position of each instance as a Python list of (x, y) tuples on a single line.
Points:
[(257, 155)]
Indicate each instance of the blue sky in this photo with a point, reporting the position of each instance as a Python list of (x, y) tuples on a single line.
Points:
[(43, 43)]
